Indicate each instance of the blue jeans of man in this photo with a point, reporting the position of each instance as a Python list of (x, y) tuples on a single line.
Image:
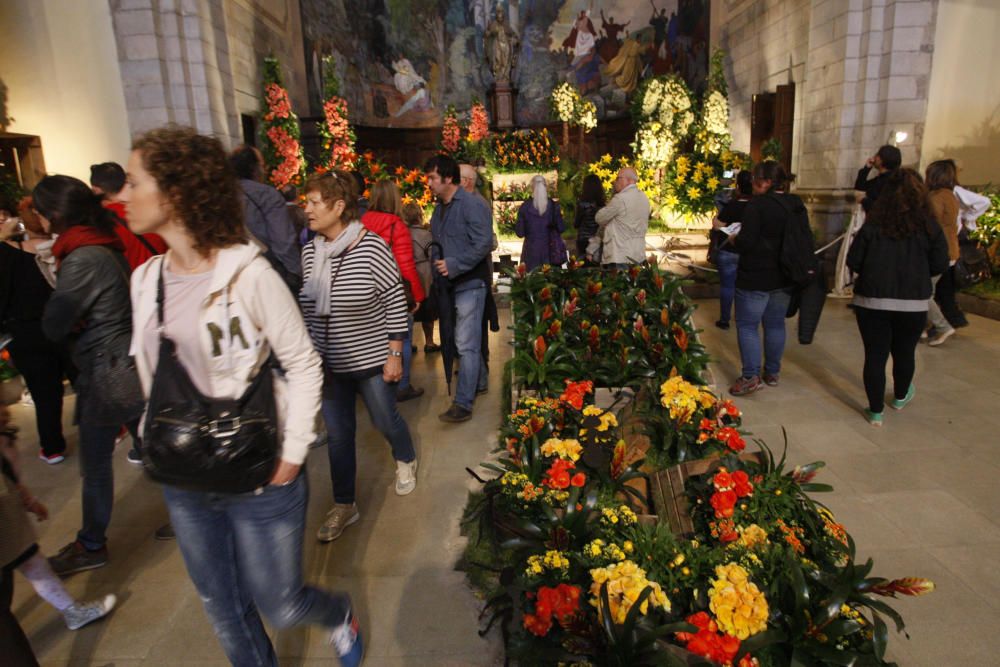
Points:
[(243, 553), (727, 263), (97, 444), (404, 382), (470, 303), (340, 414), (754, 308)]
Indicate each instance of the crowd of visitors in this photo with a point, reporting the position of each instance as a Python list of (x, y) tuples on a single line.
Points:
[(211, 318)]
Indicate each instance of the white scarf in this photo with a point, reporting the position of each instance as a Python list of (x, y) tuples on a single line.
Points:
[(318, 286)]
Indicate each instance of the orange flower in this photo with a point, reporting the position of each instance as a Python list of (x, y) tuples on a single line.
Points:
[(724, 503), (540, 348), (680, 337), (576, 392)]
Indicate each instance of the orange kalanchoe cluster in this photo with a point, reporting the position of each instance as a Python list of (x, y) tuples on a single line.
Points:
[(562, 474), (709, 643), (561, 602), (576, 392)]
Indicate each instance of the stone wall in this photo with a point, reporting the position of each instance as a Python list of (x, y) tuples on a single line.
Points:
[(198, 62), (861, 69)]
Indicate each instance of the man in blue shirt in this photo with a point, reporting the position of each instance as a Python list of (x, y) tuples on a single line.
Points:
[(461, 224)]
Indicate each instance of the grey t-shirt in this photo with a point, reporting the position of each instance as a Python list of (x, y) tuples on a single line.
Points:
[(183, 296)]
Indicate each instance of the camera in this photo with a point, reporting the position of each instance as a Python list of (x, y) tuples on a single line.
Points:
[(20, 232)]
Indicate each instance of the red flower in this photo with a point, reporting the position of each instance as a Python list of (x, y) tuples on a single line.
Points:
[(570, 307), (722, 481), (741, 484), (545, 294), (594, 337), (724, 503), (618, 460), (664, 317), (680, 337), (561, 602), (579, 479), (641, 297), (540, 348), (538, 625), (521, 270), (728, 409), (732, 438), (555, 328), (593, 289), (547, 312), (576, 392), (706, 424), (557, 476)]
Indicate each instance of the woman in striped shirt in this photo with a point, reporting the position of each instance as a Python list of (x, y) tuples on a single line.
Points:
[(355, 309)]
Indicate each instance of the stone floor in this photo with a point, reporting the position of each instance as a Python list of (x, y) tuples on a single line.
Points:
[(918, 496)]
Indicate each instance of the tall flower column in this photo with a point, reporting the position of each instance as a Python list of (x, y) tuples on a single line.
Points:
[(336, 132), (279, 133)]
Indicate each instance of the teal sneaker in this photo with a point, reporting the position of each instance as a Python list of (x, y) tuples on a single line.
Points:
[(900, 403), (874, 418)]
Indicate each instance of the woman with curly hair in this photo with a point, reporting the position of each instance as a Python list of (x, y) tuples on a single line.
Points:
[(217, 301), (895, 255)]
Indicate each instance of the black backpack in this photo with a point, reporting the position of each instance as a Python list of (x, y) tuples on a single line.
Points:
[(797, 253)]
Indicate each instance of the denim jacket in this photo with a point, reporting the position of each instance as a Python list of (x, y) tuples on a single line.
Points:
[(464, 229)]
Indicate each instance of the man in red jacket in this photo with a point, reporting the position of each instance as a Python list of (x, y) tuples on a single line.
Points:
[(107, 179)]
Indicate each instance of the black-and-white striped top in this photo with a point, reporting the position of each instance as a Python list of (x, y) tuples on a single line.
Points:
[(367, 307)]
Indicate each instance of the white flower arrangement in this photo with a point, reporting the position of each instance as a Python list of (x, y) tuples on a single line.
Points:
[(586, 114), (654, 145), (716, 113), (564, 100), (668, 102)]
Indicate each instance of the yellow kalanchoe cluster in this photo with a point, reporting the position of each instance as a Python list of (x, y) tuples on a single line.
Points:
[(622, 515), (553, 561), (607, 419), (599, 548), (683, 398), (626, 581), (751, 536), (739, 607), (564, 449)]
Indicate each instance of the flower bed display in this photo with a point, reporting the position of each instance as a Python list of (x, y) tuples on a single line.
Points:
[(579, 564), (279, 133), (524, 150), (616, 328)]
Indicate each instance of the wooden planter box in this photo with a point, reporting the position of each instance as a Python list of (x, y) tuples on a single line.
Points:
[(669, 498)]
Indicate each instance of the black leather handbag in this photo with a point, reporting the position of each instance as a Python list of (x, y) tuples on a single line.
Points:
[(200, 443)]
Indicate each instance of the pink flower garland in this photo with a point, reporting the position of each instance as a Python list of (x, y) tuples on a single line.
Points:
[(288, 148), (277, 102), (479, 125), (340, 142), (451, 133)]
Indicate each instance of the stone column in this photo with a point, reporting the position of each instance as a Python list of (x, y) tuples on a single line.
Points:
[(175, 65)]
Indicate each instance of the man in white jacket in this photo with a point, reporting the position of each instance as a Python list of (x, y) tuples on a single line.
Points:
[(622, 224)]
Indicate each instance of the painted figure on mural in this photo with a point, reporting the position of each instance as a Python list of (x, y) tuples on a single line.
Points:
[(586, 63), (501, 47), (610, 43), (411, 86)]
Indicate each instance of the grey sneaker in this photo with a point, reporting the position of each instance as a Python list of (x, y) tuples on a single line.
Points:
[(941, 337), (82, 613), (406, 477), (338, 518)]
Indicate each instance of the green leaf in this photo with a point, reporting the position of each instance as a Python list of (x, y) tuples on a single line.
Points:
[(880, 636)]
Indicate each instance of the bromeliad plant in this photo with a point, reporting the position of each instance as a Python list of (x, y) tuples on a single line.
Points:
[(617, 329)]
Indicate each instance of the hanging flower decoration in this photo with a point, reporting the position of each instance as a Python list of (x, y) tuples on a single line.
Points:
[(586, 114), (479, 122), (283, 156), (451, 132)]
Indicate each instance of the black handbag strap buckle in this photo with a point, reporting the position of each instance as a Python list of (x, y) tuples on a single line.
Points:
[(224, 428)]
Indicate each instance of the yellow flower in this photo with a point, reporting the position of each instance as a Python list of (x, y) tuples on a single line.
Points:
[(592, 411), (564, 449), (552, 560), (739, 607), (608, 420), (671, 200), (682, 398), (625, 583), (751, 536), (680, 180), (713, 184), (694, 192)]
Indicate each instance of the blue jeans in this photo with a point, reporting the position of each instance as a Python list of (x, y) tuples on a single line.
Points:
[(727, 263), (404, 382), (470, 304), (340, 415), (97, 444), (244, 553), (754, 308)]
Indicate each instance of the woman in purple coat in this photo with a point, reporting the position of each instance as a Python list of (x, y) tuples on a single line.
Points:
[(540, 224)]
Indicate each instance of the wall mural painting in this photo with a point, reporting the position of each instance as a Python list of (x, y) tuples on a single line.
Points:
[(403, 62)]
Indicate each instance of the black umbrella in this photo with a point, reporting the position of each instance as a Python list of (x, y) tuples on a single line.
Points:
[(446, 314)]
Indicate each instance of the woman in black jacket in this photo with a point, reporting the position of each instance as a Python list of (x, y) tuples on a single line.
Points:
[(24, 292), (591, 200), (91, 309), (895, 254), (762, 291)]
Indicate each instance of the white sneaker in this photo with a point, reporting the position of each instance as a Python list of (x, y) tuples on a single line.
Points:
[(406, 477), (82, 613), (941, 337)]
